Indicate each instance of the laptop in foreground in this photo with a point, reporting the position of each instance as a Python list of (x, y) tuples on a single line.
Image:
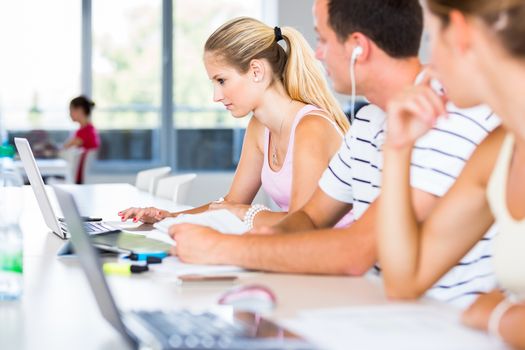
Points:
[(178, 329), (37, 184)]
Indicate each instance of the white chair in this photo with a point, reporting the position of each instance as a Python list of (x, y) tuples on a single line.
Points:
[(147, 179), (90, 158), (175, 188), (73, 156)]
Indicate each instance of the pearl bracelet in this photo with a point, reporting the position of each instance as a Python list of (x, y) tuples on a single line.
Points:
[(220, 200), (252, 212), (497, 314)]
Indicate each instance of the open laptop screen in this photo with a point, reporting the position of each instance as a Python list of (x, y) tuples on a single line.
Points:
[(37, 184), (90, 263)]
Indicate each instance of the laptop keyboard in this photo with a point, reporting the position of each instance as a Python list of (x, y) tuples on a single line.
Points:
[(93, 228), (188, 330)]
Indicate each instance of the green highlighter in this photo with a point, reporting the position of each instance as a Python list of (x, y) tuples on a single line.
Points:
[(123, 269)]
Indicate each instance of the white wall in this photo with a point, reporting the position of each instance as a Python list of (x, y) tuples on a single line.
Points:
[(297, 14)]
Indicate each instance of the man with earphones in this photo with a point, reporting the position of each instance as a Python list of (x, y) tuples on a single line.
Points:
[(370, 48)]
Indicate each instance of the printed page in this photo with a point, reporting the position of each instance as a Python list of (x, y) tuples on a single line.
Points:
[(397, 326)]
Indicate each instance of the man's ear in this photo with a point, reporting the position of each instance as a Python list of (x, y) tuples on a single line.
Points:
[(352, 44), (257, 70)]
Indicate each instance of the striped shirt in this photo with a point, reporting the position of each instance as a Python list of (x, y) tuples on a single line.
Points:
[(354, 176)]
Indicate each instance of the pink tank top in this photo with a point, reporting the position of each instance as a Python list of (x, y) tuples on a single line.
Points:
[(278, 184)]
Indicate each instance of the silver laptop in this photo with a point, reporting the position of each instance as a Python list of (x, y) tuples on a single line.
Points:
[(57, 225), (177, 329)]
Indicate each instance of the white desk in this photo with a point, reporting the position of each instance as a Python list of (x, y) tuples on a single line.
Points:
[(49, 167), (58, 310)]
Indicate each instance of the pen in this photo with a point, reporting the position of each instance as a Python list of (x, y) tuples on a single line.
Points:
[(204, 279), (151, 258), (123, 269)]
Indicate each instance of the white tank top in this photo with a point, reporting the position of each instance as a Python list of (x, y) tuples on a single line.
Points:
[(509, 244)]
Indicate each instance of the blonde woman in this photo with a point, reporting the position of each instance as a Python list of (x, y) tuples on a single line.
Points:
[(478, 53), (296, 125)]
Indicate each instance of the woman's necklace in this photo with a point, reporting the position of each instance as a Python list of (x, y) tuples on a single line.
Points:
[(275, 161), (275, 148)]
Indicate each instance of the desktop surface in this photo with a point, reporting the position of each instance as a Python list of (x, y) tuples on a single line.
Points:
[(59, 311)]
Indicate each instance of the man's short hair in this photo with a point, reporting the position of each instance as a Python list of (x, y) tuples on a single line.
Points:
[(395, 26)]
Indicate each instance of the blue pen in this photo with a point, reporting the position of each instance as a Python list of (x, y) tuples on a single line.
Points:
[(153, 257)]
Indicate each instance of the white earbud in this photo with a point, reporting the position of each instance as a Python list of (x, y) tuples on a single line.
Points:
[(358, 51)]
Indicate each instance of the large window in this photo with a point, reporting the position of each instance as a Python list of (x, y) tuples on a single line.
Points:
[(40, 70), (127, 36), (194, 21), (211, 137), (154, 101)]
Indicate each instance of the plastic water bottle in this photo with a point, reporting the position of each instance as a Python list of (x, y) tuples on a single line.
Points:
[(11, 243)]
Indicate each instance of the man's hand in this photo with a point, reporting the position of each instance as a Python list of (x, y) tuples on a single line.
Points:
[(196, 244)]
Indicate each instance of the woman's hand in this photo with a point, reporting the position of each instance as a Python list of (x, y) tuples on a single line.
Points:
[(478, 314), (511, 323), (412, 113), (265, 230), (146, 215), (238, 210)]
